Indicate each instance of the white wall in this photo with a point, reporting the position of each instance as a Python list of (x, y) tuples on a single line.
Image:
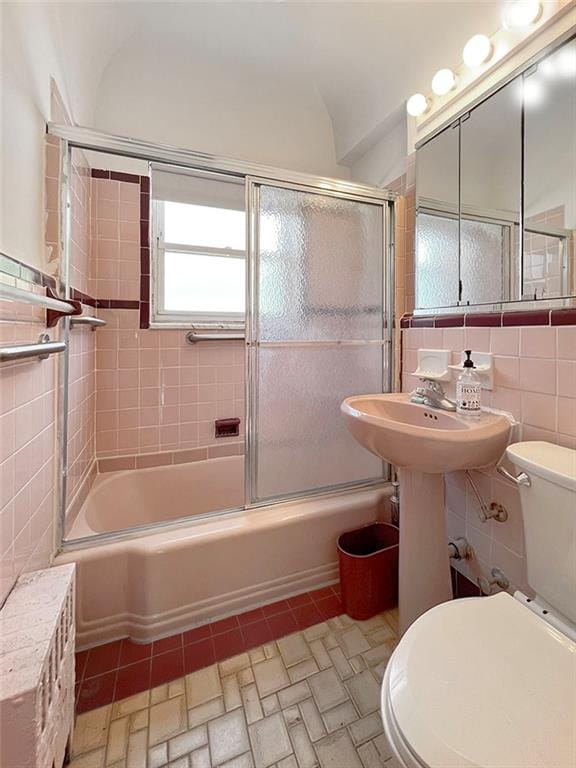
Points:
[(28, 59), (384, 159), (244, 113)]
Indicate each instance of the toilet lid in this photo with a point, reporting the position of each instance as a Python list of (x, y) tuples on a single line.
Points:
[(487, 683)]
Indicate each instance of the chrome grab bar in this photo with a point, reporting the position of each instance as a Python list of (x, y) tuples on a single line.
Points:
[(193, 337), (95, 322), (42, 349), (518, 480), (12, 293)]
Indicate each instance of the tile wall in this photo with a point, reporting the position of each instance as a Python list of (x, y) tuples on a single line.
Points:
[(115, 238), (157, 393), (27, 448), (535, 380), (82, 341), (153, 392)]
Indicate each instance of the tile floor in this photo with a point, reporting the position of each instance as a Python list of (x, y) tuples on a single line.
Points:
[(310, 698), (123, 668)]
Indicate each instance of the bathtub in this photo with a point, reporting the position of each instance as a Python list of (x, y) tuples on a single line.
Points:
[(164, 580), (141, 497)]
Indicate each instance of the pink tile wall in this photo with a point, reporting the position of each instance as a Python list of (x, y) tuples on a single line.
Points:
[(82, 271), (115, 228), (535, 380), (27, 442), (157, 393), (81, 407)]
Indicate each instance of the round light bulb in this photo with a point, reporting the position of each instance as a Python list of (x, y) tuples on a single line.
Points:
[(443, 82), (477, 50), (417, 105), (520, 13)]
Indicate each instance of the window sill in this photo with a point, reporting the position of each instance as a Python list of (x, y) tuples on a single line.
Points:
[(208, 327)]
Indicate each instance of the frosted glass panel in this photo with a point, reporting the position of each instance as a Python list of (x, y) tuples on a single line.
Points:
[(436, 261), (320, 270), (303, 443), (485, 249)]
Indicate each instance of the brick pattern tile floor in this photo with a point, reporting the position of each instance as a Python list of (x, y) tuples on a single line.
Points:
[(308, 699), (123, 668)]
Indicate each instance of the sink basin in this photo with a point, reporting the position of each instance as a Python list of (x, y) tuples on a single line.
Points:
[(416, 437), (423, 443)]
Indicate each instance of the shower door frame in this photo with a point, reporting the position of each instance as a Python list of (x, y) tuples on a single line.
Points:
[(74, 137), (253, 184)]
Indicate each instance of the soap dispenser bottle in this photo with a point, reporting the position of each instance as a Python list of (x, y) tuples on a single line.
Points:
[(468, 390)]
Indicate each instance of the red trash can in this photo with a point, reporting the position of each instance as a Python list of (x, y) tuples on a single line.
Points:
[(369, 569)]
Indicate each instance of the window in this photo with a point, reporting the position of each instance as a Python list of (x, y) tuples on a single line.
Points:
[(199, 238)]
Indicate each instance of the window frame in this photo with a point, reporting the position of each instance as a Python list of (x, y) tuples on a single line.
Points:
[(165, 317)]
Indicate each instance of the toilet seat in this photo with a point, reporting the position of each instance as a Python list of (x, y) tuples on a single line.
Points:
[(484, 683)]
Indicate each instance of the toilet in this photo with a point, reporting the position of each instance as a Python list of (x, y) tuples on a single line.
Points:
[(491, 682)]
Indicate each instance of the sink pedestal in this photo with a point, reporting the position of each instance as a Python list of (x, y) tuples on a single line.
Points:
[(424, 578)]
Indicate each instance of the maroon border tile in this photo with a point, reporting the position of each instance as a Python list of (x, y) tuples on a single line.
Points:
[(117, 303), (144, 233), (484, 320), (131, 178), (565, 316), (145, 288), (561, 316), (133, 679), (528, 317), (198, 655), (449, 321), (100, 173), (425, 321)]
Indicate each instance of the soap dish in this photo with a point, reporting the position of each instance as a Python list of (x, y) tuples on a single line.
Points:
[(433, 364)]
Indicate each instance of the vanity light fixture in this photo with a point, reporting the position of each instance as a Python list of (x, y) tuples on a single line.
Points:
[(443, 82), (417, 105), (477, 51), (520, 13)]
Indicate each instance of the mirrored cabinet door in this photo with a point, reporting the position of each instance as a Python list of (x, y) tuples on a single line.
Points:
[(437, 225), (550, 176), (491, 178)]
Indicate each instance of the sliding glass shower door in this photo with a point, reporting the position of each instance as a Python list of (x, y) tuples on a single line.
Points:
[(316, 333)]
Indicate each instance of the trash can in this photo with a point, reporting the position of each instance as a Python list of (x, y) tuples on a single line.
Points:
[(369, 569)]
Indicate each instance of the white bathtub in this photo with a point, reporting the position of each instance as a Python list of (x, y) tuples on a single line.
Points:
[(170, 579)]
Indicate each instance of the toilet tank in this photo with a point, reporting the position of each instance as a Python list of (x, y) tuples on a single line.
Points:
[(549, 512)]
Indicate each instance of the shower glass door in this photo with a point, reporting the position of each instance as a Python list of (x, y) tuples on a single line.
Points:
[(316, 333)]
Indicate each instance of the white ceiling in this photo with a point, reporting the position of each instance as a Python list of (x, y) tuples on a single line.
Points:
[(362, 60)]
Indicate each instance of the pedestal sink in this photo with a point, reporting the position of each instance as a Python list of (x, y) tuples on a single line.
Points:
[(423, 443)]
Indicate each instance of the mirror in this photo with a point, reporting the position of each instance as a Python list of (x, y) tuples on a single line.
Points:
[(437, 221), (550, 176), (496, 195), (490, 195)]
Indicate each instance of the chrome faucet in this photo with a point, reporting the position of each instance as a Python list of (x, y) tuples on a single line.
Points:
[(434, 396)]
